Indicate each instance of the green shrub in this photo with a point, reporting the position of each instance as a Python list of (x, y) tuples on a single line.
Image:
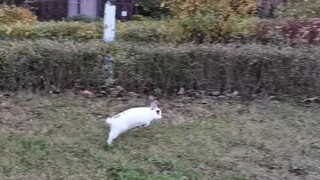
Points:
[(139, 18), (149, 31), (226, 8), (81, 18), (202, 28), (212, 27), (53, 30), (214, 21), (199, 28), (13, 14), (48, 65), (140, 31)]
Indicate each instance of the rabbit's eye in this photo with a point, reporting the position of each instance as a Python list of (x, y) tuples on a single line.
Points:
[(158, 111)]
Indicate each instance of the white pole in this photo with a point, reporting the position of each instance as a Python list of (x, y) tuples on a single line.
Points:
[(109, 22)]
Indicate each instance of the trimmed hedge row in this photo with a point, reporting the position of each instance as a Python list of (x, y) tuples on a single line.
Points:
[(50, 65), (143, 68), (248, 69)]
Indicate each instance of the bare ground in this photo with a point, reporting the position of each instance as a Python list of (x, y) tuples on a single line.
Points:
[(63, 137)]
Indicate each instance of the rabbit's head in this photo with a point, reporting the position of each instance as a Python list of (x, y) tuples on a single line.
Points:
[(155, 109)]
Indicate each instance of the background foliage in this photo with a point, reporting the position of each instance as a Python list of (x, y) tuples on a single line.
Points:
[(211, 21), (147, 30), (13, 14), (298, 9), (185, 8), (152, 8), (52, 30)]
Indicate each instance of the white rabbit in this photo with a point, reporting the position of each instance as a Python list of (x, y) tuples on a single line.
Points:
[(131, 118)]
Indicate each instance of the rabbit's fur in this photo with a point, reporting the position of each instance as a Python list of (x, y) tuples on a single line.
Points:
[(131, 118)]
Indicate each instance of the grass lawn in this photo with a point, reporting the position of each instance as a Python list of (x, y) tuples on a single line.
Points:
[(63, 137)]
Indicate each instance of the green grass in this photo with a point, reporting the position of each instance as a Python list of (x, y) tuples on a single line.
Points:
[(64, 138)]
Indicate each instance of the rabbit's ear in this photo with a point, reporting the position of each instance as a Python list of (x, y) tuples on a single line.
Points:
[(154, 104)]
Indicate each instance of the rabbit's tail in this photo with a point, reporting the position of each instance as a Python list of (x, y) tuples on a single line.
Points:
[(108, 121)]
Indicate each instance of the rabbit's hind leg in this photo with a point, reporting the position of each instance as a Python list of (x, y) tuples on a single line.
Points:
[(112, 135), (146, 125)]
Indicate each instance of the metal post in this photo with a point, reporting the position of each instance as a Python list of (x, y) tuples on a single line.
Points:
[(109, 22)]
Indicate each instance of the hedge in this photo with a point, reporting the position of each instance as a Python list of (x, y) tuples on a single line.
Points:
[(172, 31), (146, 68), (51, 65), (52, 30), (150, 31), (248, 69), (140, 31)]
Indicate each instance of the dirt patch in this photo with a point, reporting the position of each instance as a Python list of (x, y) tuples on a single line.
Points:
[(14, 118)]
